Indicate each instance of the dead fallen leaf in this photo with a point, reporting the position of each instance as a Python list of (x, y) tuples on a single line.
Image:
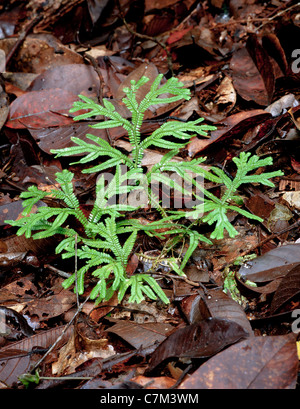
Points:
[(255, 363), (160, 382), (53, 305), (203, 339), (252, 73), (39, 52), (38, 109), (16, 358), (62, 76), (231, 127), (217, 304), (71, 358), (141, 335), (287, 289), (272, 265), (292, 198)]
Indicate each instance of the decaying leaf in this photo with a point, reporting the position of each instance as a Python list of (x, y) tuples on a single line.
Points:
[(16, 358), (39, 52), (293, 199), (273, 264), (255, 363), (217, 304), (287, 289), (141, 335), (200, 340), (252, 73), (38, 109), (160, 382)]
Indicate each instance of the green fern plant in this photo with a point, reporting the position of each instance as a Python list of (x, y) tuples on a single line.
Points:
[(106, 238)]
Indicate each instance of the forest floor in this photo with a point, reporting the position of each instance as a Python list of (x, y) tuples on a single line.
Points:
[(233, 321)]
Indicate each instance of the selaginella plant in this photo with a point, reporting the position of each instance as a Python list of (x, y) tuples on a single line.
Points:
[(107, 237)]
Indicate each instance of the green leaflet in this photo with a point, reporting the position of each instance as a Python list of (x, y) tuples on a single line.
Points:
[(106, 238)]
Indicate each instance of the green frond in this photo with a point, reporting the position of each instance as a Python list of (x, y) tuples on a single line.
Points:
[(107, 241), (31, 197), (100, 288), (138, 289), (67, 245), (108, 110), (180, 130), (128, 246), (171, 86), (100, 148), (80, 275), (263, 179), (194, 238), (217, 215)]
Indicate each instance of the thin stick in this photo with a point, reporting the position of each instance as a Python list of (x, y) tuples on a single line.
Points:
[(61, 273), (146, 37), (280, 13), (60, 337)]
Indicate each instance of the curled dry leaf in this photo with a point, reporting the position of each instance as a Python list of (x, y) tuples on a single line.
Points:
[(200, 340), (224, 100), (71, 356), (8, 313), (283, 103), (217, 304), (252, 73), (220, 305), (272, 45), (272, 265), (287, 289), (292, 198), (232, 127), (254, 363)]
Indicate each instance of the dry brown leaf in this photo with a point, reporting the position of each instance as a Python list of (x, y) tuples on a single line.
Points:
[(160, 382), (16, 358), (255, 363), (39, 52)]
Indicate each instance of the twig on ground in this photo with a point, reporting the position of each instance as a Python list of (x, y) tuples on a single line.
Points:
[(61, 273), (280, 13), (146, 37), (61, 335)]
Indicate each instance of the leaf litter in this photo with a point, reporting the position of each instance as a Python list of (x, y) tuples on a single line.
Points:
[(238, 62)]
